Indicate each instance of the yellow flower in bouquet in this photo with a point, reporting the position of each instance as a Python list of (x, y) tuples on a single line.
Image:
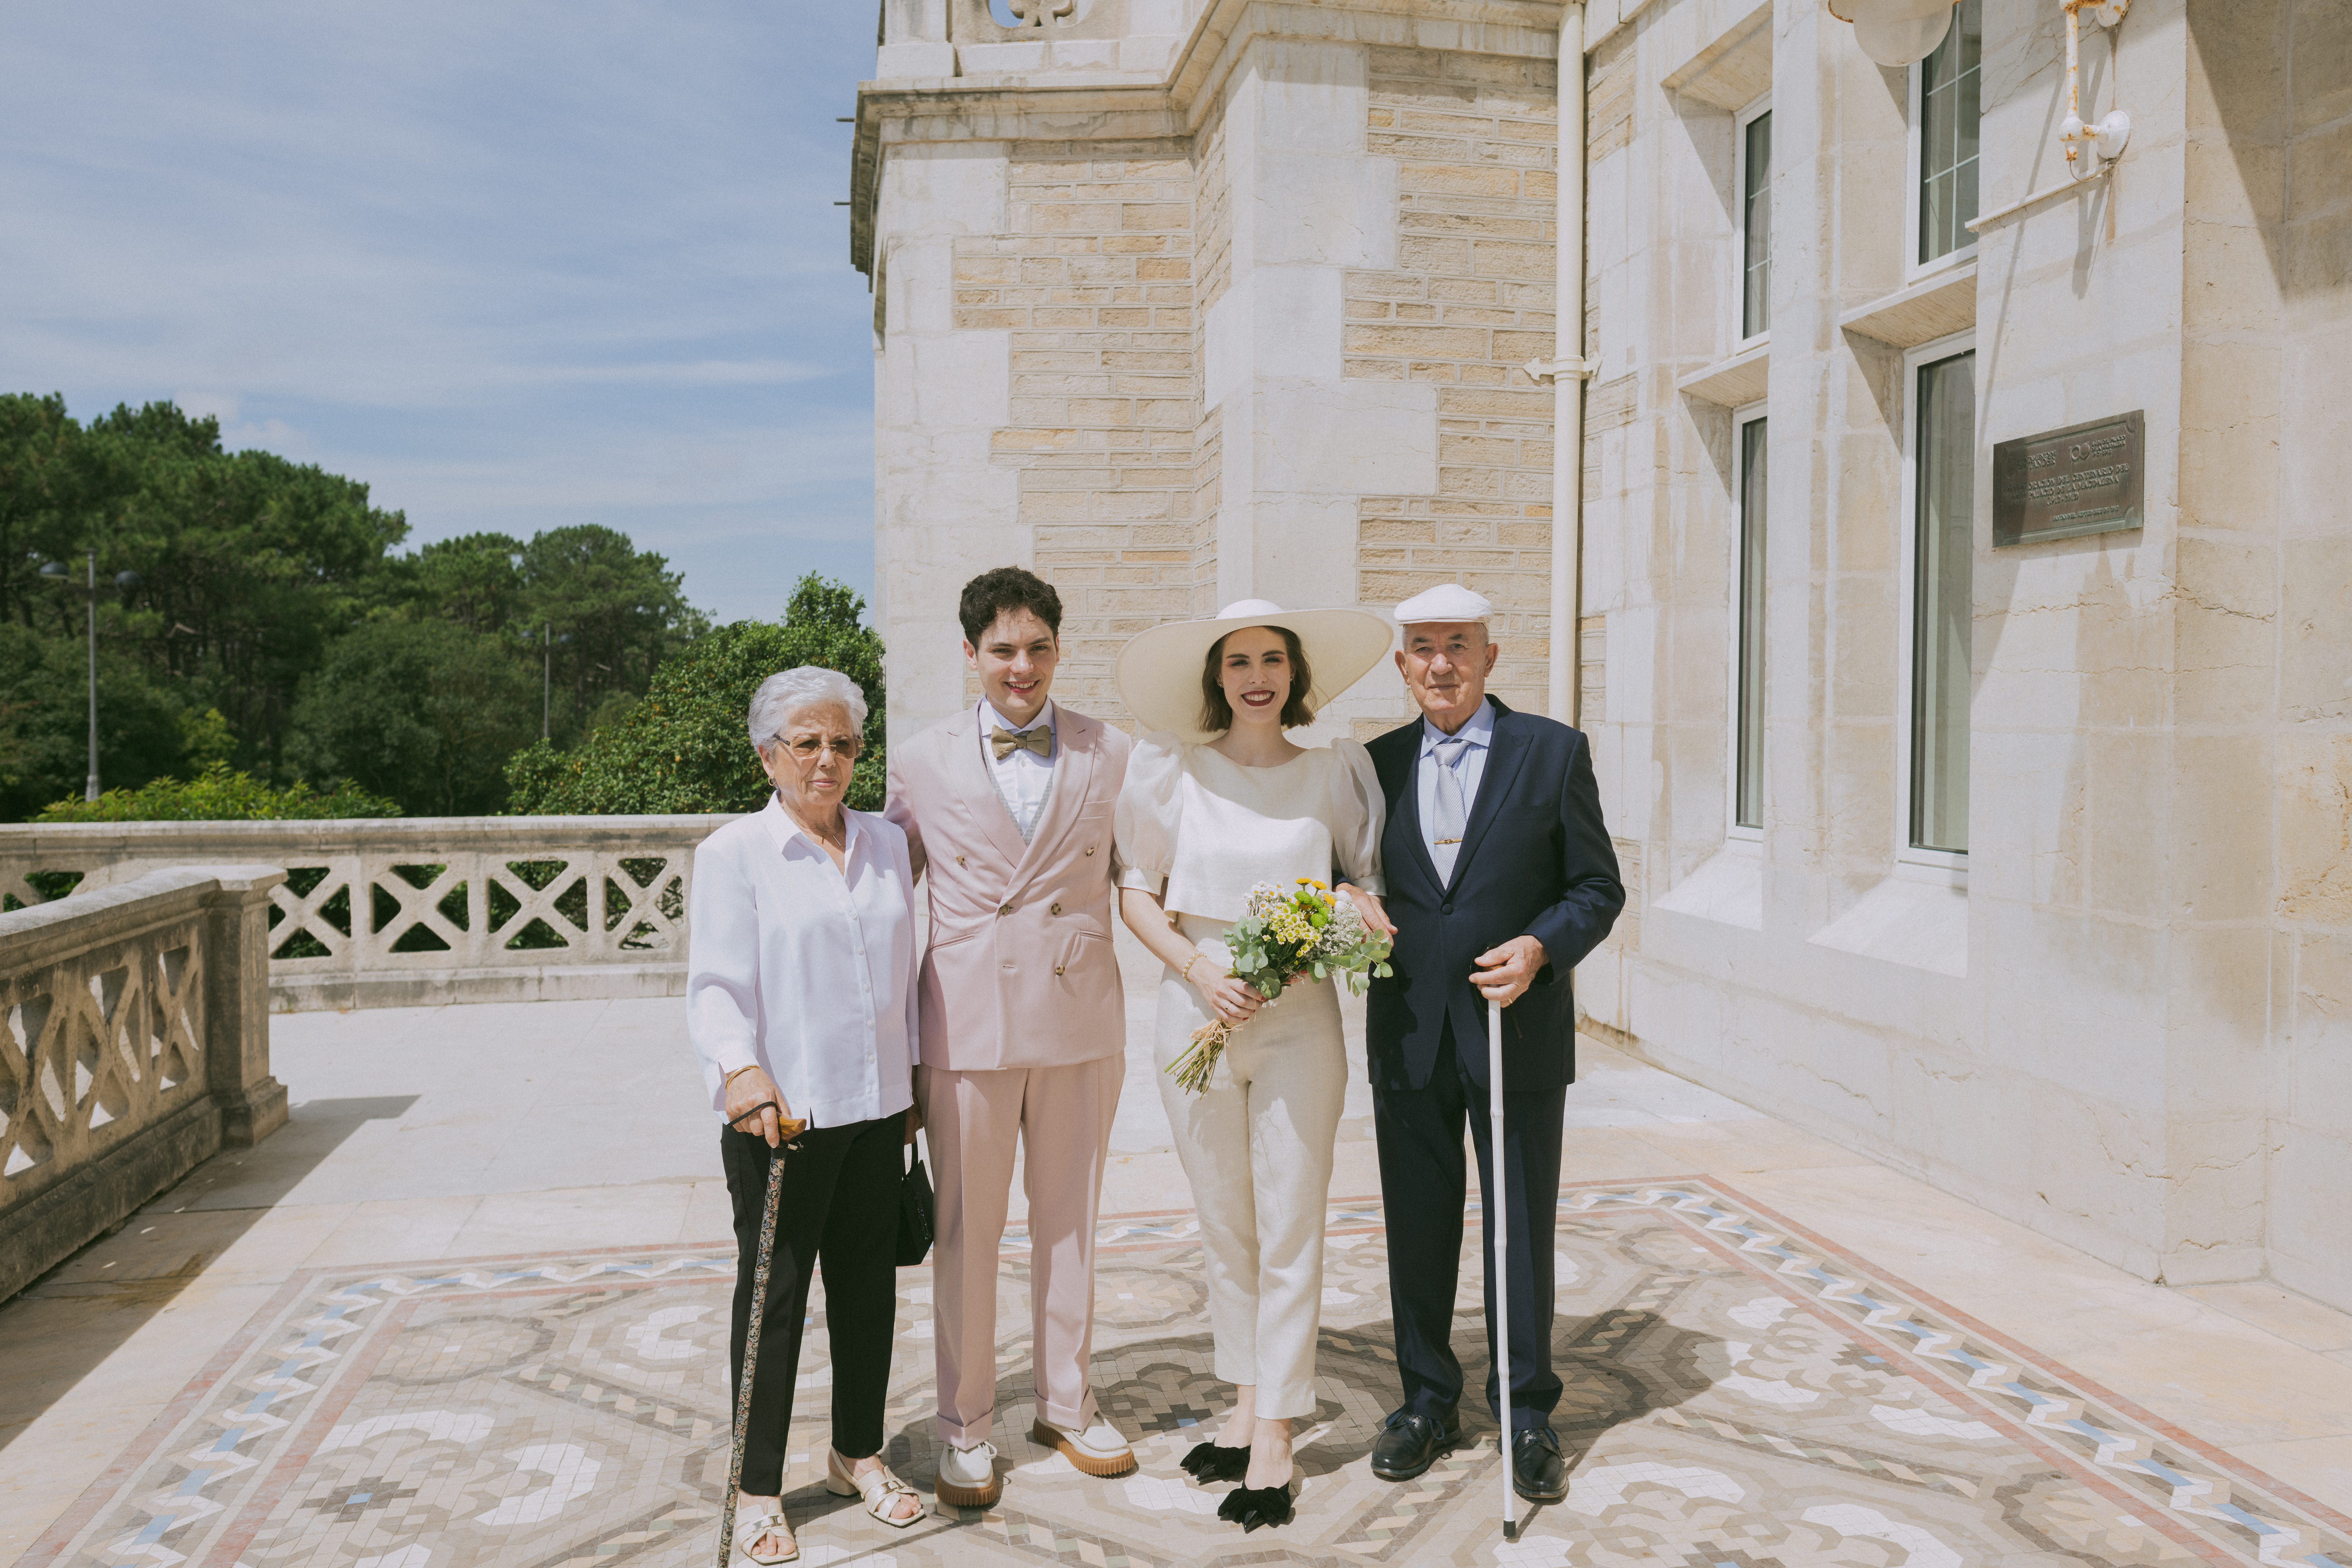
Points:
[(1284, 933)]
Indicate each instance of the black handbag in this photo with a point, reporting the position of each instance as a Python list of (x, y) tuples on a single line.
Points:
[(914, 1211)]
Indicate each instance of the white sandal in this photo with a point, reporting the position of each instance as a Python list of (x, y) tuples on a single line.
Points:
[(748, 1531), (877, 1489)]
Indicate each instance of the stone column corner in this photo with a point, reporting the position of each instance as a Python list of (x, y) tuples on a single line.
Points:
[(237, 1001)]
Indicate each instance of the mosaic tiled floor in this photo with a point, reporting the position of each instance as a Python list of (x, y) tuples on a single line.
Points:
[(1741, 1396)]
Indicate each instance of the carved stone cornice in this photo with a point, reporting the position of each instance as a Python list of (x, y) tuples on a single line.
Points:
[(1102, 105)]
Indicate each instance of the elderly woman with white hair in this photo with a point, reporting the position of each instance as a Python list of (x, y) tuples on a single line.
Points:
[(799, 994)]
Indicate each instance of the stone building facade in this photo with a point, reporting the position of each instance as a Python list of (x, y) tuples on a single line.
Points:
[(2024, 865)]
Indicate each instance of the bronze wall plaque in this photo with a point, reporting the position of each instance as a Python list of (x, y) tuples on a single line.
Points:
[(2084, 478)]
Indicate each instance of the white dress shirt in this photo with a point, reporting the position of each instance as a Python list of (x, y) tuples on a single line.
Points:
[(805, 968), (1470, 768), (1023, 779)]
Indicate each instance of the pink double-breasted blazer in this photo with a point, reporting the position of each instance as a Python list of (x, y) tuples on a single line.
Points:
[(1019, 971)]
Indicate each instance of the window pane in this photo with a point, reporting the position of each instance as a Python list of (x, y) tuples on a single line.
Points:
[(1948, 114), (1749, 808), (1939, 654), (1755, 227)]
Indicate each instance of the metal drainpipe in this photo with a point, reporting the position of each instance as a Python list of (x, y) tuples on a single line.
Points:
[(1567, 373)]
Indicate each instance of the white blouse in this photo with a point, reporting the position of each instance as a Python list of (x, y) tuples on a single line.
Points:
[(804, 968), (1211, 829)]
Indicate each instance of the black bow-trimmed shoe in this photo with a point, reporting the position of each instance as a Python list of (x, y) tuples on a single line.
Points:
[(1215, 1462), (1251, 1507), (1410, 1444), (1538, 1472)]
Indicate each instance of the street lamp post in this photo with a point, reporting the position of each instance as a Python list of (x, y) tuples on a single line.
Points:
[(56, 571), (546, 673)]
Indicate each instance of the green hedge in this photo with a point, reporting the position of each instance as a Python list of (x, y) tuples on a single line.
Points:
[(217, 794)]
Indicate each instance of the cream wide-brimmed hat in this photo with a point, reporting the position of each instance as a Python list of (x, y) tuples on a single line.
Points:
[(1160, 670)]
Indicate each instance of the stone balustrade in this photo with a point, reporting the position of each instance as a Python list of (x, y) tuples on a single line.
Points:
[(408, 912), (134, 1042)]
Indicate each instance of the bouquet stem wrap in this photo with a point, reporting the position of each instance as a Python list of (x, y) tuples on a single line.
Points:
[(1302, 932)]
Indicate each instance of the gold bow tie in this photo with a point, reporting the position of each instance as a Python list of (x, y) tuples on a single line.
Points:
[(1038, 738)]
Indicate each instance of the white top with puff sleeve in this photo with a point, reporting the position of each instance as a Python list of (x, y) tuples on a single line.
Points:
[(1211, 829)]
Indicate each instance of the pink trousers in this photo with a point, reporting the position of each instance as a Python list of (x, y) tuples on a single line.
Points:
[(1060, 1117)]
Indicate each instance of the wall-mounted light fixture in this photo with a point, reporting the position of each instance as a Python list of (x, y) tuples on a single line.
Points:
[(2105, 139), (1905, 32), (2109, 135), (1896, 32)]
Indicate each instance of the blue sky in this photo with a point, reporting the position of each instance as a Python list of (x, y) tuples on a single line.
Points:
[(515, 266)]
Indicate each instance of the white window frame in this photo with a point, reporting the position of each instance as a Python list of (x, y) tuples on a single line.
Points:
[(1914, 167), (1741, 418), (1740, 123), (1943, 866)]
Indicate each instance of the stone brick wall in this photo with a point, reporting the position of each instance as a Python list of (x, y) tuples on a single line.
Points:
[(1213, 270), (1470, 302), (1094, 283)]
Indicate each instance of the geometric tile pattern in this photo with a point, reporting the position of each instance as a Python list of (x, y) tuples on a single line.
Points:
[(1739, 1395)]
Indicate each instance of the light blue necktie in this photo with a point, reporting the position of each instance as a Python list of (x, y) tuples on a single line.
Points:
[(1451, 815), (1448, 813)]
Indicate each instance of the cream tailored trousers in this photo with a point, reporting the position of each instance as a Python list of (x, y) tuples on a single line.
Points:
[(1257, 1146), (1060, 1117)]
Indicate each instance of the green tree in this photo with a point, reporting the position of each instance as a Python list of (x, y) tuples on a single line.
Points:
[(624, 610), (475, 580), (684, 748), (615, 611), (256, 574), (49, 489), (205, 742), (45, 720), (423, 711), (250, 563)]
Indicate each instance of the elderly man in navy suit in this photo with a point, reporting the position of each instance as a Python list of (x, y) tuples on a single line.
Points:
[(1501, 878)]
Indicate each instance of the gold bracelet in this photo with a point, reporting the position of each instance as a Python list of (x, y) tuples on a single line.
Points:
[(1187, 970), (739, 1072)]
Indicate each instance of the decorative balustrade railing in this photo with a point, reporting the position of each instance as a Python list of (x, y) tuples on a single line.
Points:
[(405, 911), (134, 1041)]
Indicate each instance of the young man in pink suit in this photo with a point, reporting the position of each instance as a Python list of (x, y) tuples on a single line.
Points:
[(1007, 810)]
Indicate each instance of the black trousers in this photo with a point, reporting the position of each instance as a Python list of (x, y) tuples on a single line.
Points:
[(1423, 1189), (839, 1207)]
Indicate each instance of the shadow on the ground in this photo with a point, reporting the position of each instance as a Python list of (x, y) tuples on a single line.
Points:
[(1615, 1367), (66, 1324), (267, 1172)]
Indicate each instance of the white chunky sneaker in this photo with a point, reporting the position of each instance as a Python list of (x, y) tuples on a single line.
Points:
[(1099, 1450), (968, 1477)]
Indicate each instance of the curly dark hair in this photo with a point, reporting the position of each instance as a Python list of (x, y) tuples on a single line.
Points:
[(1217, 714), (1003, 588)]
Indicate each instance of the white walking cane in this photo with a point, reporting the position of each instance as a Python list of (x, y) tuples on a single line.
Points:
[(1498, 1233)]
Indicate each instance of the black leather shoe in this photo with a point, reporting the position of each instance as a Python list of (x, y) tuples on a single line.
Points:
[(1410, 1444), (1538, 1472), (1251, 1507), (1213, 1462)]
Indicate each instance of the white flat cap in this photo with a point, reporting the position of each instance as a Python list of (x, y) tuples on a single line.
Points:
[(1446, 602)]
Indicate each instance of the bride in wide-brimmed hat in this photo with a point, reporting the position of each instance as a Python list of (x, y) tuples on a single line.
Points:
[(1218, 799)]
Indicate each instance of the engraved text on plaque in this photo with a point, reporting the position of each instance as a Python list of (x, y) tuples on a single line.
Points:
[(2082, 480)]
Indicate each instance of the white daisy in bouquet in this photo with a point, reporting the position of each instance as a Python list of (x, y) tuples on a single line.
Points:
[(1286, 933)]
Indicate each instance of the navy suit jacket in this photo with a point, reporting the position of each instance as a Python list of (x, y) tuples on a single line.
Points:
[(1536, 861)]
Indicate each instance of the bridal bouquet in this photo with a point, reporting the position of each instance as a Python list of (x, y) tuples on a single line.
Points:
[(1285, 934)]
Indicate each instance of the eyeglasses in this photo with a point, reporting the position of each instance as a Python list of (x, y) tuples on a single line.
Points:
[(845, 747)]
